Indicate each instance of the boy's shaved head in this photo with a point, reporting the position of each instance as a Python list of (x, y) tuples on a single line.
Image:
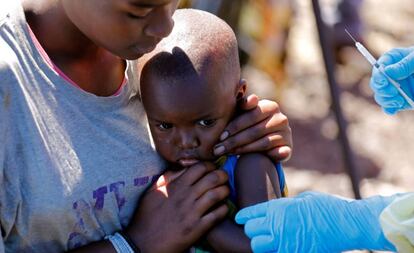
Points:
[(190, 85), (198, 42)]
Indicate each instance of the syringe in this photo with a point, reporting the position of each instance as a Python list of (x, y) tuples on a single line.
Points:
[(367, 55)]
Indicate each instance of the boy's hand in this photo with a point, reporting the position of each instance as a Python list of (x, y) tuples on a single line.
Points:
[(261, 127), (175, 213)]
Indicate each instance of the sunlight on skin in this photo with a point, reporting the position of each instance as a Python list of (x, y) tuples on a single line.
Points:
[(161, 185), (164, 180)]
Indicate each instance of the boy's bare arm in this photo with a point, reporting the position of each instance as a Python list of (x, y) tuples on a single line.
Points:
[(256, 180)]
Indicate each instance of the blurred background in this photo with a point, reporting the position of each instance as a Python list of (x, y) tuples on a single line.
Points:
[(282, 60)]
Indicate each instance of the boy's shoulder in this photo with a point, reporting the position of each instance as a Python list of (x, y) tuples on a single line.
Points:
[(253, 158), (247, 161), (236, 160)]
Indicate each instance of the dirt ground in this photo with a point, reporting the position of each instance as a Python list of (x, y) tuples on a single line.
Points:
[(383, 145)]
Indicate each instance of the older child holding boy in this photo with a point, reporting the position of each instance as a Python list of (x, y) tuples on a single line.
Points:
[(190, 85), (75, 154)]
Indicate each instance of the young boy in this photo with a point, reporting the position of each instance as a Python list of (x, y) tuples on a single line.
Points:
[(190, 85)]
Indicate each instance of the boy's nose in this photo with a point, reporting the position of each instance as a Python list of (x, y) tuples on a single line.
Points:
[(161, 23), (188, 141)]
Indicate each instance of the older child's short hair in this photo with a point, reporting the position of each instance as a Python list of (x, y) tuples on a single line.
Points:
[(37, 6), (198, 40)]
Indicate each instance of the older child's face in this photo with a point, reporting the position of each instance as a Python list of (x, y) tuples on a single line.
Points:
[(187, 117), (127, 28)]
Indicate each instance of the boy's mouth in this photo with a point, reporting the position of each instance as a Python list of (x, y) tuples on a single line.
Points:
[(187, 162)]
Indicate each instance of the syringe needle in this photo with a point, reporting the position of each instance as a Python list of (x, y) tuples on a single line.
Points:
[(376, 65), (352, 37)]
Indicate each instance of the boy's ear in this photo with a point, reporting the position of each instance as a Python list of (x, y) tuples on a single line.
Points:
[(241, 89)]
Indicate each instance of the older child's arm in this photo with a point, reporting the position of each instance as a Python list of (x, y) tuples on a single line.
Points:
[(174, 223), (256, 180)]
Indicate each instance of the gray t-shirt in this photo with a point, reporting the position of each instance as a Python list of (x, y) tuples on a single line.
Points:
[(72, 165)]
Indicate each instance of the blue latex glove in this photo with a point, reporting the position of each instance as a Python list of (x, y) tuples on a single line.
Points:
[(399, 65), (315, 222)]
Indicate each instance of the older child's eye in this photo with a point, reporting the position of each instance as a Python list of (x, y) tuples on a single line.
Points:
[(133, 16), (207, 122), (164, 126), (137, 12)]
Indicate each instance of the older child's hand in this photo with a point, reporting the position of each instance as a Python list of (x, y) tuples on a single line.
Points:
[(181, 208), (262, 127)]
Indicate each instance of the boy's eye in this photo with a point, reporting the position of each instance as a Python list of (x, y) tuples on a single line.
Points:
[(207, 122), (164, 126)]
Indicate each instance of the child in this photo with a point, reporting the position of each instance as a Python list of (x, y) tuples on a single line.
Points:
[(190, 85)]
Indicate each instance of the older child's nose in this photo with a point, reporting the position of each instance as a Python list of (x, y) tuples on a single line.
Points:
[(161, 23)]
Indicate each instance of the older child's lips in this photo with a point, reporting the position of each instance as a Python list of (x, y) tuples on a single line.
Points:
[(144, 50), (187, 162)]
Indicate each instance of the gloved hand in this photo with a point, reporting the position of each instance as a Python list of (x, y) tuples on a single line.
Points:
[(399, 65), (315, 222)]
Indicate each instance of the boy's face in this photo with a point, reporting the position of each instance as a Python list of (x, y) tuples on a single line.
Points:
[(187, 115), (127, 28)]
